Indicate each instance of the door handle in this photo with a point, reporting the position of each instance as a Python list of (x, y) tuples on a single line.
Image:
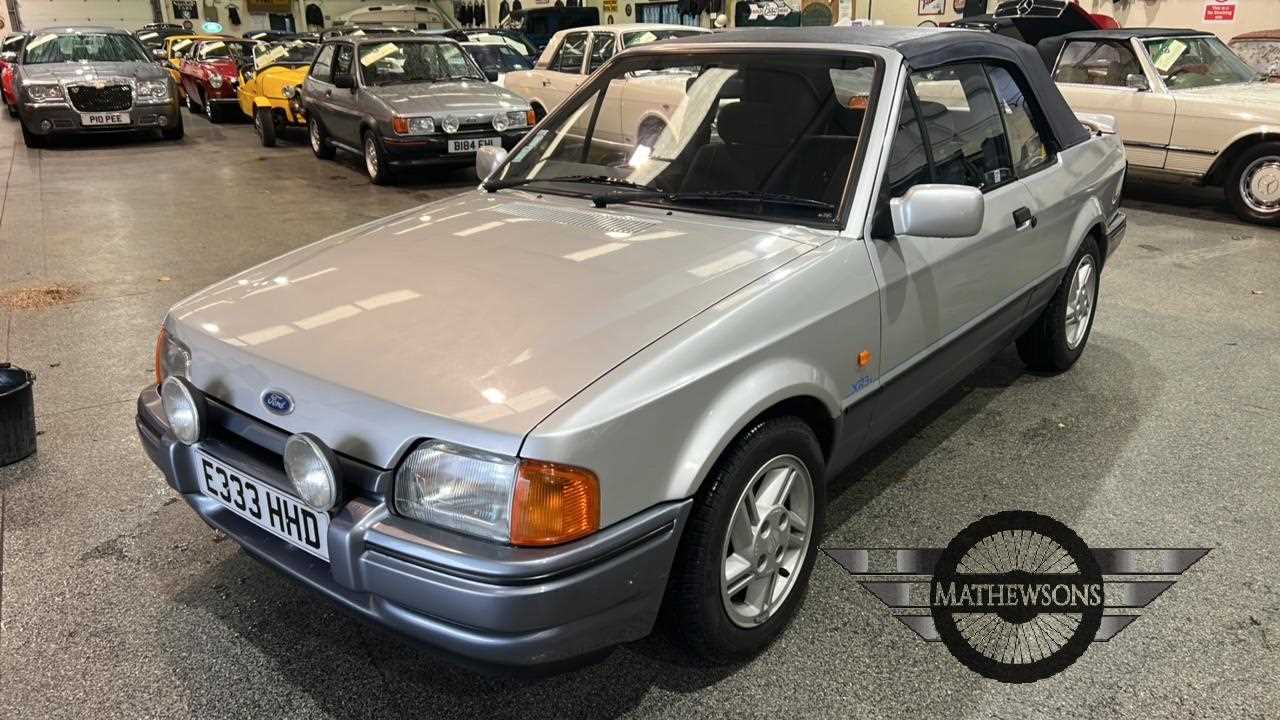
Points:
[(1023, 219), (546, 83)]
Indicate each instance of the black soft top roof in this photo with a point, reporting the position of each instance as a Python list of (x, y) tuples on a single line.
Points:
[(921, 49)]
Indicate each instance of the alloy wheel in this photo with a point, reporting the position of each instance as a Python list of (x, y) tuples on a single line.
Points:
[(314, 132), (1080, 298), (371, 156), (767, 541), (1260, 185)]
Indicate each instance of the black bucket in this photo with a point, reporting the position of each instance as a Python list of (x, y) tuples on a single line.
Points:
[(17, 414)]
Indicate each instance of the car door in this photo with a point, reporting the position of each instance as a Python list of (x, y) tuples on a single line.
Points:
[(947, 303), (1096, 75), (317, 88), (564, 73), (344, 106)]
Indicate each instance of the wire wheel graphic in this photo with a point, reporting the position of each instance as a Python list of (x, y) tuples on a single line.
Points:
[(1017, 596)]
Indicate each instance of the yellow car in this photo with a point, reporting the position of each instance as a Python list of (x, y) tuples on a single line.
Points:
[(176, 48), (268, 89)]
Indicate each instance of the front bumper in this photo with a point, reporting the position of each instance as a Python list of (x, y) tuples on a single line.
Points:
[(53, 119), (479, 602), (409, 151)]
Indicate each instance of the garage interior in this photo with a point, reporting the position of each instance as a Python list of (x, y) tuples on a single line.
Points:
[(117, 601)]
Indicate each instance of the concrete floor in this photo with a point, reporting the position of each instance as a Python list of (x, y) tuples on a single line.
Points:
[(118, 602)]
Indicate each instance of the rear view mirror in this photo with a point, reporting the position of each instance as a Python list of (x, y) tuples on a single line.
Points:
[(1137, 81), (945, 211), (488, 158)]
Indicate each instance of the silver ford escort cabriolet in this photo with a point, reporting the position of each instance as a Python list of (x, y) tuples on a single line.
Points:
[(613, 380)]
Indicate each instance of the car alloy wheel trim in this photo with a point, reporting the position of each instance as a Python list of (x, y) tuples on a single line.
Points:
[(1260, 185), (315, 135), (1080, 297), (371, 156), (257, 123), (767, 541)]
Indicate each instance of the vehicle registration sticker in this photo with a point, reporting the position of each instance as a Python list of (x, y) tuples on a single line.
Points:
[(471, 144), (280, 514), (116, 118)]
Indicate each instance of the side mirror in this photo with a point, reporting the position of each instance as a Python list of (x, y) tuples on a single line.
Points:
[(346, 82), (158, 55), (944, 211), (1137, 82), (491, 75), (488, 158)]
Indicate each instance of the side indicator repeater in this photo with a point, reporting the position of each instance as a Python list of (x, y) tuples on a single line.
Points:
[(864, 358)]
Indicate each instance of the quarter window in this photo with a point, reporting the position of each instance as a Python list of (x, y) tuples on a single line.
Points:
[(601, 50), (908, 157), (572, 52), (963, 126), (320, 68), (342, 60), (1022, 122), (1097, 63)]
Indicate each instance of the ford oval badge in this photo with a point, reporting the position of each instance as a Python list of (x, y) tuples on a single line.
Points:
[(277, 402)]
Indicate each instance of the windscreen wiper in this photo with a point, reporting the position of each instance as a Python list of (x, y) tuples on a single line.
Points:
[(493, 185), (713, 196)]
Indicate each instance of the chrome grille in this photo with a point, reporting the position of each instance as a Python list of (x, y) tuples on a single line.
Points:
[(606, 222), (108, 98)]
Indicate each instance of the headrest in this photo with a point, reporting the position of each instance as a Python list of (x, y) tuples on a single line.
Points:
[(754, 123)]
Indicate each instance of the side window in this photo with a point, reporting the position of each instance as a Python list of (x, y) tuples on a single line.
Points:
[(320, 68), (908, 157), (963, 126), (601, 50), (1023, 123), (342, 60), (572, 51), (1096, 63)]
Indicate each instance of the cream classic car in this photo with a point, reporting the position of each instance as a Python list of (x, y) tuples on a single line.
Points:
[(636, 112), (1184, 105)]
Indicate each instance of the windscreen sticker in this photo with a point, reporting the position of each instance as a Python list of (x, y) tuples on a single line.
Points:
[(378, 53), (211, 46), (272, 55), (1169, 55)]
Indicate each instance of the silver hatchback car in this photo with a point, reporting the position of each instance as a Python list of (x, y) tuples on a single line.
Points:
[(518, 423)]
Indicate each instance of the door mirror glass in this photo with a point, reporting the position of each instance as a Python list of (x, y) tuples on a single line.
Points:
[(488, 158), (346, 82), (158, 55), (945, 211), (1137, 82)]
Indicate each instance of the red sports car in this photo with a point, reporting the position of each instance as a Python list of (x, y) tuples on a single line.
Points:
[(209, 75), (10, 50)]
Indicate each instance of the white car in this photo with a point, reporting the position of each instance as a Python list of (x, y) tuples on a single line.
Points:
[(574, 54), (1184, 104)]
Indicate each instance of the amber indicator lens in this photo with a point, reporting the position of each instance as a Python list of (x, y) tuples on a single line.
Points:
[(553, 504)]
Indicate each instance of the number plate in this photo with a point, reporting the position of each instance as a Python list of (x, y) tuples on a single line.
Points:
[(471, 144), (281, 515), (116, 118)]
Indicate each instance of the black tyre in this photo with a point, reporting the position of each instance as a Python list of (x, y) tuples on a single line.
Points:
[(1058, 337), (176, 132), (265, 126), (13, 110), (192, 105), (744, 562), (31, 139), (375, 159), (539, 112), (319, 139), (1253, 184)]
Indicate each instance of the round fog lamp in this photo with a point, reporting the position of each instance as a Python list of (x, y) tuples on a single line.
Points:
[(45, 125), (313, 470), (500, 121), (449, 124), (184, 409)]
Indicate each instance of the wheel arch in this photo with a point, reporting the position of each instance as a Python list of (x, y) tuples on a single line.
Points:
[(1226, 159)]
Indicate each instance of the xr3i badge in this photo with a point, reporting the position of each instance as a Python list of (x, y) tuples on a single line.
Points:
[(1016, 596)]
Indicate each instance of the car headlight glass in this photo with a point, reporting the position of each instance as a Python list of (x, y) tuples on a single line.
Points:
[(421, 126), (449, 124), (44, 93), (501, 121), (519, 118), (215, 81), (457, 488), (153, 90), (172, 358), (184, 410), (313, 469), (287, 91)]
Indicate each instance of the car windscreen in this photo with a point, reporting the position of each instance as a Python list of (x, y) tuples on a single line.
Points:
[(398, 62), (1192, 62), (1262, 55), (644, 37), (216, 49), (82, 47), (498, 58), (761, 134), (293, 53)]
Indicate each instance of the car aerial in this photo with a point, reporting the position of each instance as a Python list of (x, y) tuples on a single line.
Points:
[(1185, 105), (517, 424), (1261, 50), (403, 101), (210, 71), (175, 49), (574, 54), (10, 51), (497, 59), (268, 87), (91, 79)]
